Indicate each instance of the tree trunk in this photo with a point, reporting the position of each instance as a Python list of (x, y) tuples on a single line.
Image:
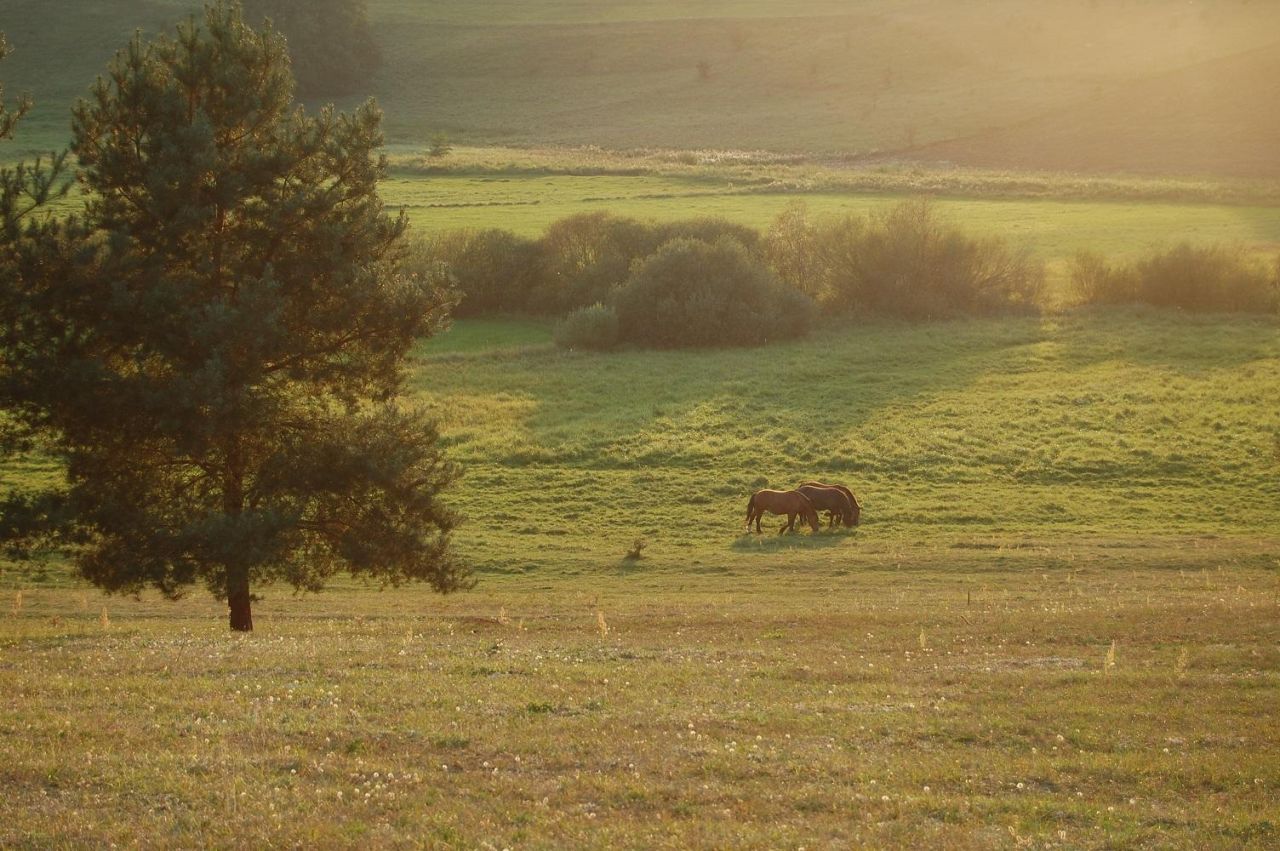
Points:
[(239, 601), (237, 575)]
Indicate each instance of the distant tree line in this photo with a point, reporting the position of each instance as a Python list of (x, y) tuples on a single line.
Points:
[(710, 282), (331, 47)]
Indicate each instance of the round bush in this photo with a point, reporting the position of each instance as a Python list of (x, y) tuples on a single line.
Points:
[(693, 294), (593, 327)]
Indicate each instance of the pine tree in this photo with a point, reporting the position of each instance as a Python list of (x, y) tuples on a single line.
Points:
[(10, 116), (216, 347)]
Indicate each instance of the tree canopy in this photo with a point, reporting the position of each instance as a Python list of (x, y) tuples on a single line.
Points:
[(332, 48), (215, 347)]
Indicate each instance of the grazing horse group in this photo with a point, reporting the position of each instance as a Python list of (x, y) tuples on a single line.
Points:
[(804, 502)]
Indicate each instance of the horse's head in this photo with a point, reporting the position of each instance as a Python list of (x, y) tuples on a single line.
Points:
[(855, 515)]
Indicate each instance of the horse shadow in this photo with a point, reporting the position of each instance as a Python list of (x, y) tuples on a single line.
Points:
[(766, 542)]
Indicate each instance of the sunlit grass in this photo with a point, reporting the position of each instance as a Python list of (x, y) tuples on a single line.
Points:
[(1057, 624), (1136, 423), (641, 711), (1054, 230)]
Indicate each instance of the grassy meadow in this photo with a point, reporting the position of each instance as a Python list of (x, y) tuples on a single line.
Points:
[(1051, 228), (1058, 625), (1149, 88), (1055, 627)]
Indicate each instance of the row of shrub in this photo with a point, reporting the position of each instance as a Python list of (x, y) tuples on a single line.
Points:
[(710, 282), (578, 261), (1210, 278)]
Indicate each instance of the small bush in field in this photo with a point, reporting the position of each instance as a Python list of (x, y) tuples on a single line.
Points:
[(493, 269), (1195, 278), (695, 294), (905, 262), (593, 327), (440, 146)]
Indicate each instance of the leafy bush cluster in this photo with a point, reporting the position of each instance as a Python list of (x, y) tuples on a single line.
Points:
[(709, 282), (584, 264), (905, 262), (1196, 278), (692, 293), (493, 269)]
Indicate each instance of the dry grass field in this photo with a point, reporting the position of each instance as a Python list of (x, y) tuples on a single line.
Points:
[(1096, 694), (1057, 627)]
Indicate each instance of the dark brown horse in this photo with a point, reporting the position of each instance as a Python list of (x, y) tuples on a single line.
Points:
[(855, 516), (839, 507), (790, 503)]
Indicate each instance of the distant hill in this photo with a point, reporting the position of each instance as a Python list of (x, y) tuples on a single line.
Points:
[(1219, 118), (1093, 85)]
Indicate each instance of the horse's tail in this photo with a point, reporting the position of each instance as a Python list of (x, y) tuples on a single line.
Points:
[(751, 507)]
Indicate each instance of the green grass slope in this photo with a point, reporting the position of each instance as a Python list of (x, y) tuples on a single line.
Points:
[(59, 50), (810, 76), (1056, 627), (814, 76), (1218, 117), (1052, 230), (1131, 427)]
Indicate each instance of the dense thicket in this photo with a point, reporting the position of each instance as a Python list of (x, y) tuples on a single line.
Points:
[(1197, 278), (692, 293), (493, 270), (215, 347), (579, 261), (903, 262), (331, 47)]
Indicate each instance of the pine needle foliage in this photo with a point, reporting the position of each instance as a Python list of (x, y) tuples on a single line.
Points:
[(216, 346)]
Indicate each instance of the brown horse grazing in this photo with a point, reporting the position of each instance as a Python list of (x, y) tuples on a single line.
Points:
[(790, 503), (850, 520), (831, 500)]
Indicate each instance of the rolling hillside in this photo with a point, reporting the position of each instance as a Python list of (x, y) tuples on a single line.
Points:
[(1153, 87), (1219, 117)]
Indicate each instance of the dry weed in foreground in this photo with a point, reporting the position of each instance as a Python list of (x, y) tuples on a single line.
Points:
[(1110, 662), (601, 625)]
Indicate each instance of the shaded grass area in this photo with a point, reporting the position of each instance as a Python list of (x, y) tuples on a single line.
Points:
[(1114, 423), (961, 703)]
